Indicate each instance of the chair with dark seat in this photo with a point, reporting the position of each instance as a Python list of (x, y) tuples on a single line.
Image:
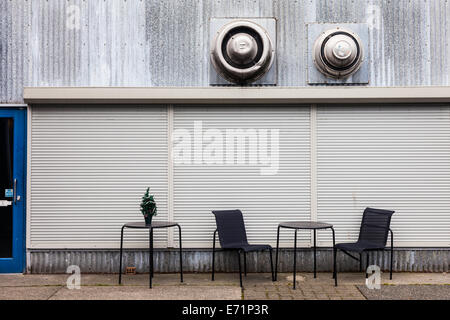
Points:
[(373, 235), (232, 236)]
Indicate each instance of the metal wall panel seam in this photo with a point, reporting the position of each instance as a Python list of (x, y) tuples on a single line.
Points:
[(28, 196), (170, 231), (313, 151)]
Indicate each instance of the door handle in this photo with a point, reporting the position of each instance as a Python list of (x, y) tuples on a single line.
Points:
[(15, 196)]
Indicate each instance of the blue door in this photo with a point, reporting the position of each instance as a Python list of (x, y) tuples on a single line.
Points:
[(12, 189)]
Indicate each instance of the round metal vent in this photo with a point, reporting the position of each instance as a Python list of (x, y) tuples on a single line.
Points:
[(338, 53), (242, 51)]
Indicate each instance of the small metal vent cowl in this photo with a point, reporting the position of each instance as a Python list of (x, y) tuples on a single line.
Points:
[(338, 53), (242, 52)]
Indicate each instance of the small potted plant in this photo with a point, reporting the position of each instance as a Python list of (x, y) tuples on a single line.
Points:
[(148, 207)]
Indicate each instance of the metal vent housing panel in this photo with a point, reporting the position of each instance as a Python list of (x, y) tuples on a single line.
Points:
[(270, 26), (361, 76)]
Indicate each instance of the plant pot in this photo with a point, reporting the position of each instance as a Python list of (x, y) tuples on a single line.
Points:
[(148, 220)]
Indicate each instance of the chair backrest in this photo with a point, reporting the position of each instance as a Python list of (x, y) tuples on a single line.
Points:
[(375, 226), (231, 228)]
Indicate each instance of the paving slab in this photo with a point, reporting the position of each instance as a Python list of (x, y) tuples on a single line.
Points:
[(156, 293), (22, 280), (355, 278), (28, 293), (407, 292), (165, 279)]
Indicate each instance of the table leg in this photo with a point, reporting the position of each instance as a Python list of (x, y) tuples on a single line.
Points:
[(315, 275), (276, 254), (150, 262), (153, 255), (181, 253), (213, 254), (392, 253), (295, 257), (120, 256), (334, 258)]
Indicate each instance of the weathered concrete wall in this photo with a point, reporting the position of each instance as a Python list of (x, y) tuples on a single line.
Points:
[(107, 261), (165, 43)]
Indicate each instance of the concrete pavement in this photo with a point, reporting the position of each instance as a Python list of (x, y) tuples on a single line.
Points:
[(407, 292), (226, 286)]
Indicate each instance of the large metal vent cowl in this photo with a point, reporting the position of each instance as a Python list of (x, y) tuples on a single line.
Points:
[(338, 53), (242, 52)]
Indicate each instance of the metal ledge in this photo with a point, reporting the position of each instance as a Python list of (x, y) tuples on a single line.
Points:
[(233, 95)]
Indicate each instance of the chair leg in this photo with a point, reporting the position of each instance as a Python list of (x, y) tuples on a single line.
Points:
[(240, 270), (213, 254), (390, 271), (334, 253), (334, 263), (367, 263), (335, 266), (271, 265), (392, 255), (276, 254), (245, 264), (360, 262)]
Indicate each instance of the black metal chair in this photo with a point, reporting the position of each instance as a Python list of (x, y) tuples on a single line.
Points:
[(232, 236), (373, 235)]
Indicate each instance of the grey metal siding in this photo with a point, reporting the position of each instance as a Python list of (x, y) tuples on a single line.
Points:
[(385, 156), (165, 43), (15, 22), (90, 165), (199, 260), (265, 199)]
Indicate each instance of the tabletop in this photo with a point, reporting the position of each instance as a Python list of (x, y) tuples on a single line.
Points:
[(155, 224), (305, 225)]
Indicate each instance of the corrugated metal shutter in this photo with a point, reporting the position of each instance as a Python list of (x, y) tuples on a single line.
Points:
[(389, 156), (265, 200), (90, 166)]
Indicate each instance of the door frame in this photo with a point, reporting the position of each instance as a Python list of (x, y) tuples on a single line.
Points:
[(16, 264)]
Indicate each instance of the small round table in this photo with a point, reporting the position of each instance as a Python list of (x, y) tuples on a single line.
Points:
[(308, 225), (154, 225)]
